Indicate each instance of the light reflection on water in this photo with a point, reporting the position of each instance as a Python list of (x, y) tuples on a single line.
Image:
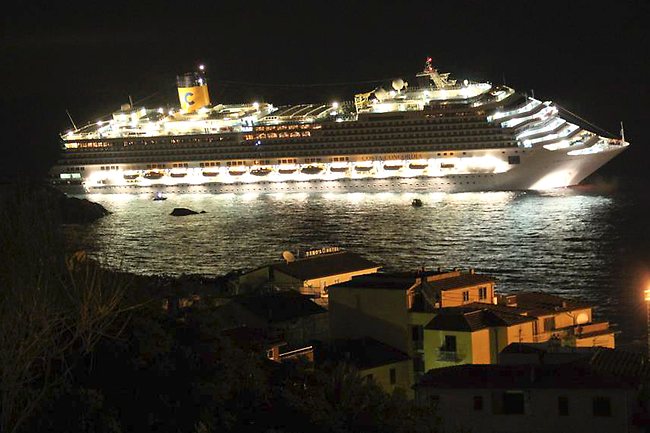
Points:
[(560, 241)]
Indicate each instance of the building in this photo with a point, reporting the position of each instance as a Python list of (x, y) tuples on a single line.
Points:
[(442, 319), (311, 273), (563, 318), (394, 308), (473, 334), (294, 317), (387, 366), (559, 398)]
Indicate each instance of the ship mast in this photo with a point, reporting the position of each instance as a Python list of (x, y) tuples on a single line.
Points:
[(622, 132), (71, 121), (439, 80)]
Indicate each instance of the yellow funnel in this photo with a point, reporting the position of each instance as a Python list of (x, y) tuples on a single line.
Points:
[(192, 91)]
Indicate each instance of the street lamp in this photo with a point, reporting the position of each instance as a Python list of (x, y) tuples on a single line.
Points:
[(647, 307)]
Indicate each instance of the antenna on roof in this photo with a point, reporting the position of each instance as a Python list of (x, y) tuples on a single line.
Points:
[(288, 256), (130, 101), (72, 121), (622, 132)]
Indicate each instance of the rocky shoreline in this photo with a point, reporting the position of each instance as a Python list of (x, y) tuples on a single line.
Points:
[(54, 203)]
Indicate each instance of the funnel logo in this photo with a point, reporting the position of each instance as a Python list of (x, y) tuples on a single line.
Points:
[(188, 99)]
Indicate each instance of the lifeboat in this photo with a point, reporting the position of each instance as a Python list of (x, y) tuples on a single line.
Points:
[(287, 170), (131, 176), (363, 168), (418, 165), (210, 173), (236, 171), (262, 171), (447, 165), (312, 169), (339, 168), (178, 174), (152, 175), (392, 167)]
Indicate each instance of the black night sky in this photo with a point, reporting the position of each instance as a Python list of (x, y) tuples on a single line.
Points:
[(590, 57)]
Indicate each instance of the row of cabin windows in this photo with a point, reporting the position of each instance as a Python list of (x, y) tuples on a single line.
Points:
[(312, 144), (513, 403), (429, 118), (413, 137), (140, 157), (299, 152), (127, 143), (417, 134), (446, 129)]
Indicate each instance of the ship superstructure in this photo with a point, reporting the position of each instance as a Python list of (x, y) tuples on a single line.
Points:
[(439, 134)]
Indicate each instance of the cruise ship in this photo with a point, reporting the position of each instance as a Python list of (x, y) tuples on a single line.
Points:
[(438, 134)]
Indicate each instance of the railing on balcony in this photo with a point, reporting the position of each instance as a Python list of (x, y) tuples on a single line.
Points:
[(448, 356)]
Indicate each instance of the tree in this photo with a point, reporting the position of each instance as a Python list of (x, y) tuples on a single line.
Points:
[(53, 306)]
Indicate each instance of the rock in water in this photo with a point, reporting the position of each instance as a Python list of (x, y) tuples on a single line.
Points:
[(51, 202), (79, 211), (181, 211)]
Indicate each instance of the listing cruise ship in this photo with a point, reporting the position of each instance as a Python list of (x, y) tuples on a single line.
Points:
[(438, 134)]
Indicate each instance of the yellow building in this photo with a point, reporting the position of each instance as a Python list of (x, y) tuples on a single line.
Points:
[(569, 320), (450, 318), (310, 274), (473, 334), (394, 308), (451, 289)]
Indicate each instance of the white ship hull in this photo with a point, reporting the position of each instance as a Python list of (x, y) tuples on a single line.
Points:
[(538, 169)]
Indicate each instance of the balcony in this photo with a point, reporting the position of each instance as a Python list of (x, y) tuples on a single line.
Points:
[(448, 356)]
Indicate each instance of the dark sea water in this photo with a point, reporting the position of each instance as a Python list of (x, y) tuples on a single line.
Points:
[(586, 243)]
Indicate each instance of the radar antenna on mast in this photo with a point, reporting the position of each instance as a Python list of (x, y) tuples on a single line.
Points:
[(439, 80), (622, 132)]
